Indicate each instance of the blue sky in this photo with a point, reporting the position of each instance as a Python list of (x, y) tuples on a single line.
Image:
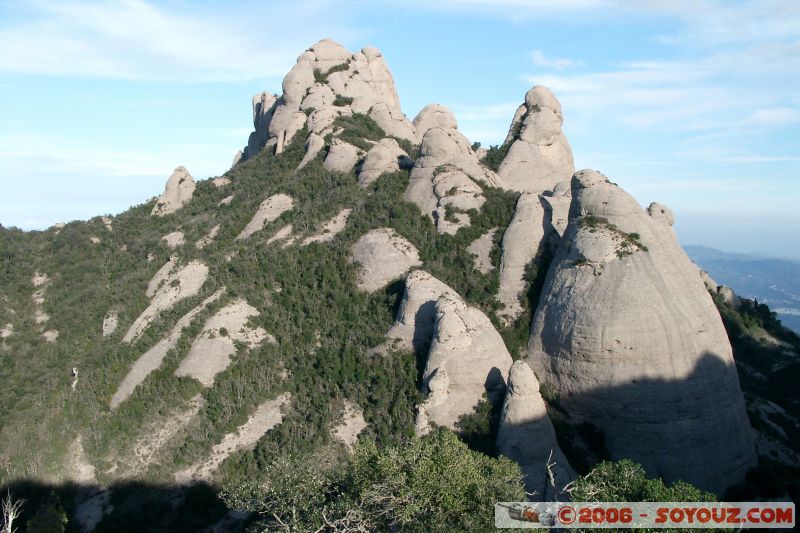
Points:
[(691, 103)]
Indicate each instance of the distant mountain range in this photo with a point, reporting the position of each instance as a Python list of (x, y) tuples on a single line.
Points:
[(775, 282)]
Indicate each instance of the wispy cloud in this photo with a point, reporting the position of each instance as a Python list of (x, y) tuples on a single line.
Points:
[(55, 157), (538, 58), (139, 40), (520, 7)]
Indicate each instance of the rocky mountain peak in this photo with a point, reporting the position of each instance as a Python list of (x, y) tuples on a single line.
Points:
[(628, 336), (177, 192), (327, 82), (539, 155)]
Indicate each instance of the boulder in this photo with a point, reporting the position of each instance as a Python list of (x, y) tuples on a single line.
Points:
[(433, 116), (413, 326), (467, 362), (383, 256), (177, 193), (540, 155), (629, 339), (342, 157), (522, 241), (444, 180), (383, 158), (264, 105), (526, 435), (269, 210), (481, 248)]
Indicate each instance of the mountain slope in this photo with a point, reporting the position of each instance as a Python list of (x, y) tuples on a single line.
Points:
[(323, 290), (775, 282)]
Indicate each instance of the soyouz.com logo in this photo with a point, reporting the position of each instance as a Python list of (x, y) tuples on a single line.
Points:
[(658, 515)]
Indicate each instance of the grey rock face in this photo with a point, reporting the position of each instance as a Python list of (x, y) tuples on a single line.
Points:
[(526, 435), (444, 180), (413, 327), (540, 155), (327, 82), (384, 256), (521, 242), (383, 158), (628, 337), (481, 248), (342, 157), (467, 358), (178, 191)]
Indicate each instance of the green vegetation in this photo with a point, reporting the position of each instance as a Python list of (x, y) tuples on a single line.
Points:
[(429, 484), (306, 296), (341, 101), (625, 481), (769, 371), (627, 243), (358, 129), (496, 153), (322, 77)]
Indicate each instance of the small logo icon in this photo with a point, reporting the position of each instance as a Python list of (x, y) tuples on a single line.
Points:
[(566, 515)]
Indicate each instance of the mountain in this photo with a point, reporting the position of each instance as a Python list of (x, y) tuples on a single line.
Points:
[(369, 323), (772, 281)]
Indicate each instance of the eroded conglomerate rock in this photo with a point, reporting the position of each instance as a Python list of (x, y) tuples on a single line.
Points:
[(540, 155), (522, 240), (330, 228), (467, 362), (266, 416), (629, 339), (168, 286), (384, 157), (383, 256), (327, 82), (177, 193), (212, 350), (342, 157), (444, 182), (269, 210), (413, 326), (110, 322), (152, 358), (526, 435), (351, 426), (174, 239), (481, 248)]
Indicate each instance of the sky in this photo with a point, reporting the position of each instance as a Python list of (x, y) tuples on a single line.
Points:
[(692, 103)]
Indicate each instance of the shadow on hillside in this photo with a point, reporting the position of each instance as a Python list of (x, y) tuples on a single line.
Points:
[(127, 506), (693, 429)]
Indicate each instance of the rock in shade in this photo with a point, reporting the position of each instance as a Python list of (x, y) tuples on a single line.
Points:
[(413, 326), (526, 435), (630, 340)]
